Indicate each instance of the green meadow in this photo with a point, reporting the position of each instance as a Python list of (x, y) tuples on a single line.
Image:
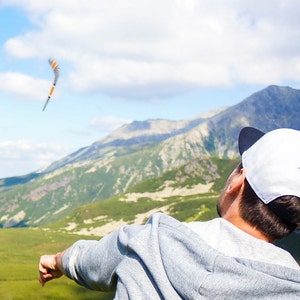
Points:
[(20, 249)]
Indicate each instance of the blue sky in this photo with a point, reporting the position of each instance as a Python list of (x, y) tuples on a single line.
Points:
[(131, 60)]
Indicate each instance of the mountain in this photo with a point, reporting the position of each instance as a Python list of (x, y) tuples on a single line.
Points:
[(139, 151), (135, 133), (270, 108)]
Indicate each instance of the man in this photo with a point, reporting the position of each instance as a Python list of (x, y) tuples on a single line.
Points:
[(230, 257)]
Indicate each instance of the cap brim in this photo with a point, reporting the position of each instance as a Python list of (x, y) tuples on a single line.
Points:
[(248, 136)]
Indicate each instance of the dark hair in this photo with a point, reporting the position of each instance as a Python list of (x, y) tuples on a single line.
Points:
[(276, 219)]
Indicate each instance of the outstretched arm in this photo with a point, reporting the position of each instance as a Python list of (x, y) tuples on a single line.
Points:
[(90, 263)]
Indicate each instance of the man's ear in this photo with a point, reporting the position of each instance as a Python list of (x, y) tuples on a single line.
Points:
[(236, 182)]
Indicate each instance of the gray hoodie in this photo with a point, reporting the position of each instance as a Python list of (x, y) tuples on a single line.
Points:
[(164, 259)]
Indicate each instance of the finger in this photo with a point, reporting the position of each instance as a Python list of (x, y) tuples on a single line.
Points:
[(42, 269), (45, 277), (42, 282)]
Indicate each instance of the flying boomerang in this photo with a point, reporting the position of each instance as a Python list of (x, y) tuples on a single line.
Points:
[(56, 70)]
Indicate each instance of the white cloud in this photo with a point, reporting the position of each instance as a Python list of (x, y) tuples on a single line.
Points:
[(20, 47), (24, 86), (152, 48)]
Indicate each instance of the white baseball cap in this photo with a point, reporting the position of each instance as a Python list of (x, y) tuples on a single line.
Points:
[(271, 161)]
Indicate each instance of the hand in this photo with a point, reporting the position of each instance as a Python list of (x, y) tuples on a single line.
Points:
[(48, 268)]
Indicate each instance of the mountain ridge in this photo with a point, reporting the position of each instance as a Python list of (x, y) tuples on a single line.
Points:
[(113, 165)]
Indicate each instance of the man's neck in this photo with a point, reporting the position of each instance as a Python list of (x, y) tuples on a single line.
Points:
[(233, 216), (246, 227)]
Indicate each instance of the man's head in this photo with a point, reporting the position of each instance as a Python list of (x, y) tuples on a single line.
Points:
[(271, 161), (269, 195)]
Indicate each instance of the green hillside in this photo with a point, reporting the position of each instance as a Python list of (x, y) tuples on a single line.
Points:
[(187, 193)]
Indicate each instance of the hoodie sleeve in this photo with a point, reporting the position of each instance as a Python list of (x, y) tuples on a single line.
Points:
[(93, 263)]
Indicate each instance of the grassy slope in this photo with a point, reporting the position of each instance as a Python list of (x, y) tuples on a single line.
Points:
[(196, 207)]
